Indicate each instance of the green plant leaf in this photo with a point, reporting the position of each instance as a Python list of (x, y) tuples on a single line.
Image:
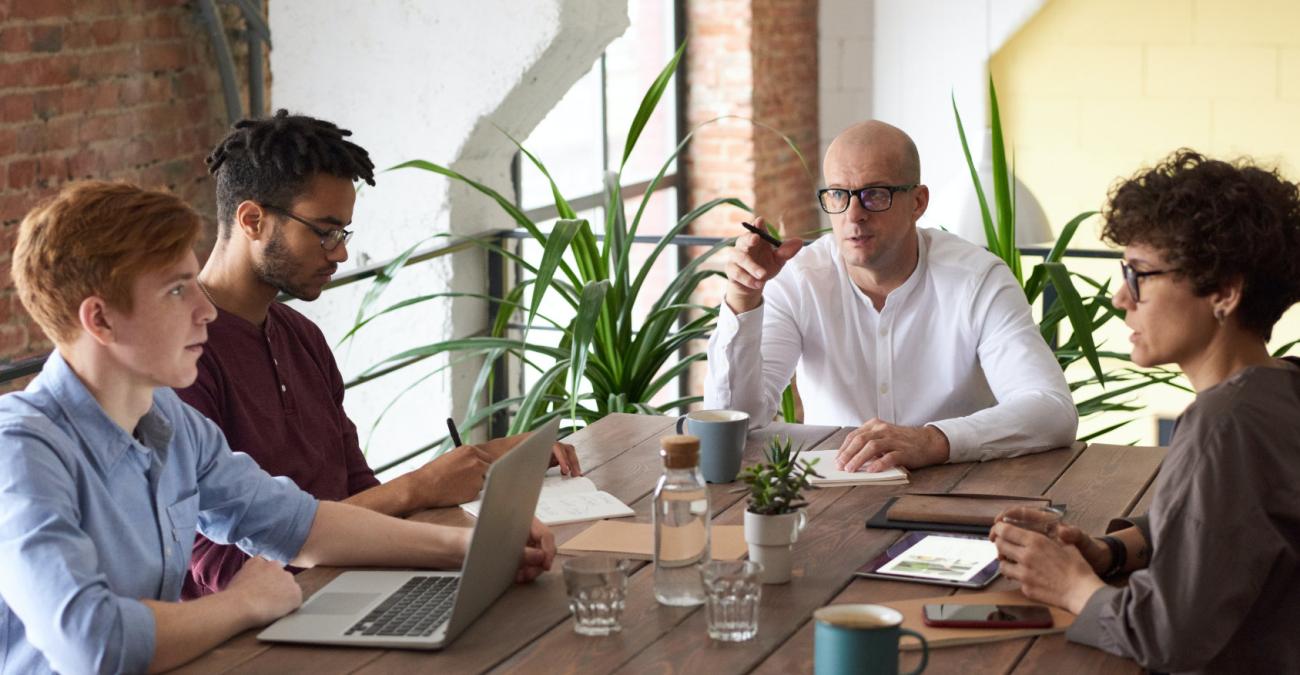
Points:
[(649, 103), (593, 299), (1082, 328), (556, 244), (789, 414), (1282, 350), (1002, 197), (990, 233)]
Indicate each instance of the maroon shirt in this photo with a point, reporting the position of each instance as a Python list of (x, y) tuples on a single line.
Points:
[(276, 392)]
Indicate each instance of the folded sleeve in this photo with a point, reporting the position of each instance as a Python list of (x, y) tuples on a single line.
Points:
[(752, 356), (1034, 411), (239, 503), (49, 568)]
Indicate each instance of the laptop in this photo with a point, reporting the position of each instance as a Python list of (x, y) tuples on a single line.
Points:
[(428, 609)]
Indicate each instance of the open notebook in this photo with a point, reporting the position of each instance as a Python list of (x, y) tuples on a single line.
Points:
[(832, 476), (570, 500)]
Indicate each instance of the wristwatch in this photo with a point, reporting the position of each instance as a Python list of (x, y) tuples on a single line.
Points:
[(1118, 556)]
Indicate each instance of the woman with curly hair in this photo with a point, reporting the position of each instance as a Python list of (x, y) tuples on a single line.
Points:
[(1211, 262)]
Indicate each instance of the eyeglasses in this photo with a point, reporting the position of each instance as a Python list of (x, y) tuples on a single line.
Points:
[(1132, 278), (329, 238), (873, 197)]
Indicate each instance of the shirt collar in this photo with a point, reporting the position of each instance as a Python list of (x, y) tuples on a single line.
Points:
[(101, 435)]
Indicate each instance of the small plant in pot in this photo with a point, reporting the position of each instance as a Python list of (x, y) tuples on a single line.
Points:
[(775, 515)]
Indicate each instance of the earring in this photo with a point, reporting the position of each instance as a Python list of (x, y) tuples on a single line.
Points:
[(1220, 315)]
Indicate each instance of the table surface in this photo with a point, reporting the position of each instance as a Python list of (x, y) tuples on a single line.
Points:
[(528, 629)]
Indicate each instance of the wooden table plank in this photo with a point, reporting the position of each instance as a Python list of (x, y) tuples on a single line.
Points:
[(597, 446)]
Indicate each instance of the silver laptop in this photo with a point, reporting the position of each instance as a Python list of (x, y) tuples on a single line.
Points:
[(424, 609)]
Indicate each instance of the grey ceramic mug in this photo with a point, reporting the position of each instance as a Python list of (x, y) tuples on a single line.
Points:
[(722, 436)]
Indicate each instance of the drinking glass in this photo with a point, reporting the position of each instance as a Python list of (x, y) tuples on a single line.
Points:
[(731, 595), (597, 587), (1042, 519)]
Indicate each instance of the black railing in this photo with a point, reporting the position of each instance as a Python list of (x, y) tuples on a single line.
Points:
[(497, 282)]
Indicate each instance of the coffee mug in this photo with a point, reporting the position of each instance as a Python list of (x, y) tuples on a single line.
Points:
[(860, 639), (722, 441)]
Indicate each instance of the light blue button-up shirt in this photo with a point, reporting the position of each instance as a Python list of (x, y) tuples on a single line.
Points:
[(92, 520)]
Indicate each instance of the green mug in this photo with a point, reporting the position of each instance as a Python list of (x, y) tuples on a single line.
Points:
[(860, 639)]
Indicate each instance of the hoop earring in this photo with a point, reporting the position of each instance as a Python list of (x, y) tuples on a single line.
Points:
[(1220, 315)]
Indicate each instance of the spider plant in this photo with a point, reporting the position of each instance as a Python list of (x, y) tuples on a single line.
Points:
[(1085, 313)]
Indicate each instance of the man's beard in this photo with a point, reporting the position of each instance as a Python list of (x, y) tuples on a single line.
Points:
[(277, 269)]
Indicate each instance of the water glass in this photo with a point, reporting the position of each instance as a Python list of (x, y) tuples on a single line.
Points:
[(731, 594), (1041, 519), (597, 587)]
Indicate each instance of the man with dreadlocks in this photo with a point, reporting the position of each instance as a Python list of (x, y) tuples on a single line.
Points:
[(267, 377)]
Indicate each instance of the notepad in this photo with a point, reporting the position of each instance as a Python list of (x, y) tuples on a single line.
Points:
[(831, 476), (570, 500)]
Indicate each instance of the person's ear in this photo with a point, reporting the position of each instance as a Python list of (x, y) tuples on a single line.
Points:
[(96, 319), (1227, 299), (250, 218), (922, 201)]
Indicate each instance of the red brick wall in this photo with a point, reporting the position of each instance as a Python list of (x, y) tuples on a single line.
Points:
[(755, 59), (107, 89)]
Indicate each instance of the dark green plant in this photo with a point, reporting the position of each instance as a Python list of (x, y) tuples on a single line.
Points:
[(607, 360), (776, 486), (1085, 313)]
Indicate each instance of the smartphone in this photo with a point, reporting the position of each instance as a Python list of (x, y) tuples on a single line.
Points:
[(988, 616)]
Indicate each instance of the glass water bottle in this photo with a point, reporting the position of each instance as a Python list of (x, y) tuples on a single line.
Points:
[(681, 523)]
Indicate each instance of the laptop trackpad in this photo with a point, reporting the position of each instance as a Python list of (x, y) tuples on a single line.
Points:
[(338, 603)]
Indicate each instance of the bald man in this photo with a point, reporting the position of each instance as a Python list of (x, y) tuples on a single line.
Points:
[(921, 340)]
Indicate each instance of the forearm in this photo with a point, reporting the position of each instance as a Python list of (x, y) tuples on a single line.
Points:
[(394, 498), (344, 535), (185, 630), (746, 366), (1021, 424), (1137, 550)]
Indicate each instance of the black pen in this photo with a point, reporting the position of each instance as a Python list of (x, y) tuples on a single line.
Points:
[(776, 243), (455, 436)]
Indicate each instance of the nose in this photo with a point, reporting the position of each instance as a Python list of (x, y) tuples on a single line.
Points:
[(1123, 298), (204, 312), (338, 254)]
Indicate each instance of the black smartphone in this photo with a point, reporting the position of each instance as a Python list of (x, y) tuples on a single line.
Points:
[(988, 616)]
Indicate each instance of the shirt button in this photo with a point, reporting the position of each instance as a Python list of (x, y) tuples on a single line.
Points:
[(283, 388), (884, 389), (884, 332)]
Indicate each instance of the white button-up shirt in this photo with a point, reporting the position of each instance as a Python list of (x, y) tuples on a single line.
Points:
[(954, 346)]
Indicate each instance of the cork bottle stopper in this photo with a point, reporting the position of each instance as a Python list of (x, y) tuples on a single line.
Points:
[(680, 452)]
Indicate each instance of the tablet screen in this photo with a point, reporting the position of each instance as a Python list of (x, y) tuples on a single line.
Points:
[(938, 558)]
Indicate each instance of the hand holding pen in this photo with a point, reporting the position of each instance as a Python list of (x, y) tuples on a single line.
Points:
[(756, 259)]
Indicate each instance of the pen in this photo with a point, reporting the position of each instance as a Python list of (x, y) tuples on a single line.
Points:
[(455, 436), (763, 234)]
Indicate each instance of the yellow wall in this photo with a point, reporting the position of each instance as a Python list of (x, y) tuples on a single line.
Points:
[(1092, 90)]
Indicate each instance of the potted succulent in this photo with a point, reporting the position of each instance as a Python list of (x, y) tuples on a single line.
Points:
[(775, 515)]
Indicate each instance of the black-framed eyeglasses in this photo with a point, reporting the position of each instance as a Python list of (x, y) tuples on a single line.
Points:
[(330, 238), (1133, 278), (872, 198)]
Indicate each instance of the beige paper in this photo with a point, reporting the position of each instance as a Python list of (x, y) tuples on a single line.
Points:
[(952, 637), (637, 540)]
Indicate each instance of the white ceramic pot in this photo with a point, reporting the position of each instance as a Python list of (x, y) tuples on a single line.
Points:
[(770, 540)]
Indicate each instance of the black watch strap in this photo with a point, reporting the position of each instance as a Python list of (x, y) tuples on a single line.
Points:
[(1118, 556)]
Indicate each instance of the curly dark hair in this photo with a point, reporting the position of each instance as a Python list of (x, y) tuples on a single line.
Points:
[(1215, 222), (270, 161)]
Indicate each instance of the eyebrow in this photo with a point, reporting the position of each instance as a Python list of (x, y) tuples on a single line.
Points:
[(183, 276)]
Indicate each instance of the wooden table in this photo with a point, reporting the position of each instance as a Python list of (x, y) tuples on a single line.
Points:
[(529, 630)]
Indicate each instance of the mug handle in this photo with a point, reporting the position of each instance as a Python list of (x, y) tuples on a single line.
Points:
[(799, 525), (925, 649), (680, 422)]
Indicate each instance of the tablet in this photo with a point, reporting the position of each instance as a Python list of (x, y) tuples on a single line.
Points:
[(937, 558)]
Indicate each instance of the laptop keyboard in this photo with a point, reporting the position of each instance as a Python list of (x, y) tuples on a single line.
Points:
[(414, 610)]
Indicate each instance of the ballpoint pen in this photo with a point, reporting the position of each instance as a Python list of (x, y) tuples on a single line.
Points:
[(455, 435), (763, 234)]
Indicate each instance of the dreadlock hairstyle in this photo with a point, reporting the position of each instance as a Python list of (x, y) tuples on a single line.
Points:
[(270, 161)]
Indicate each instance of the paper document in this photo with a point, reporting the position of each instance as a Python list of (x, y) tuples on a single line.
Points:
[(943, 558), (569, 500), (833, 476)]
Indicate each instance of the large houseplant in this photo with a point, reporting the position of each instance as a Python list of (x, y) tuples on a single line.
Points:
[(775, 513), (1104, 390), (607, 359)]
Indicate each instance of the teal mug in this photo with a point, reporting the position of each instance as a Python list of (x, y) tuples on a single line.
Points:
[(860, 639)]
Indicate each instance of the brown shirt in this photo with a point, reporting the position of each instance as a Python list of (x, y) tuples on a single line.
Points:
[(1222, 592), (276, 392)]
